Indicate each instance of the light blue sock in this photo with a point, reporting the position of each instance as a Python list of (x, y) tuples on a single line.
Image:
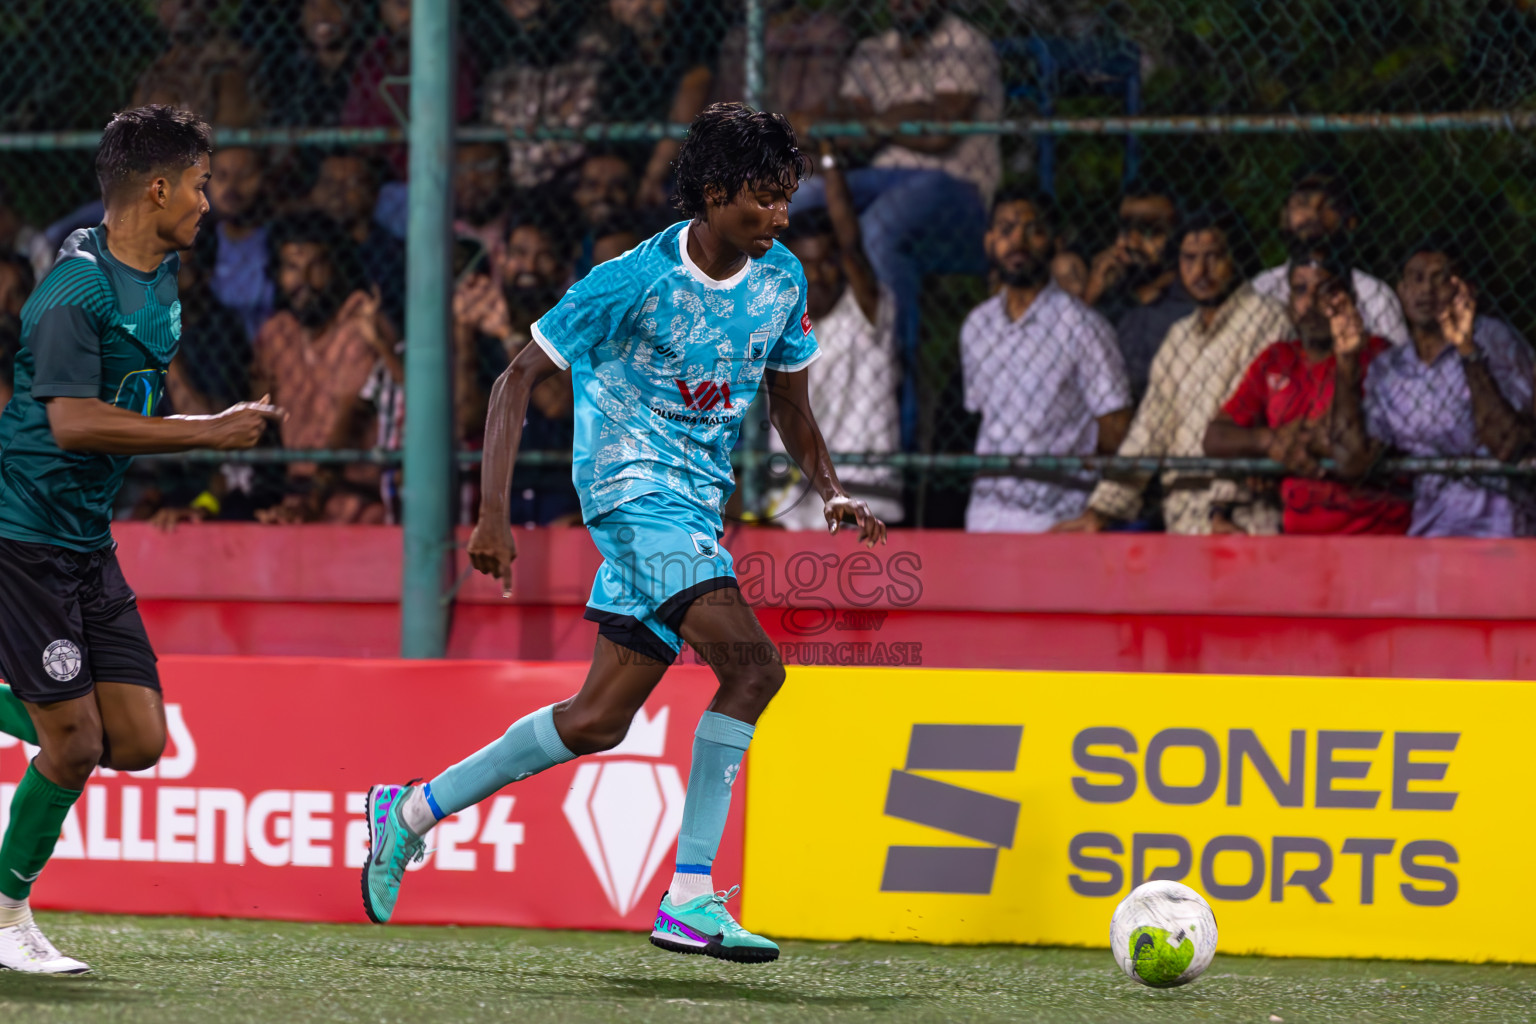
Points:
[(527, 748), (718, 744)]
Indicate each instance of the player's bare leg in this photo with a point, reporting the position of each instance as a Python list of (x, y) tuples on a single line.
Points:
[(69, 735), (133, 726), (750, 673), (693, 918), (615, 689)]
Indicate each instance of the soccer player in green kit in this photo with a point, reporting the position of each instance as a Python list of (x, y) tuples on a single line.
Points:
[(97, 338)]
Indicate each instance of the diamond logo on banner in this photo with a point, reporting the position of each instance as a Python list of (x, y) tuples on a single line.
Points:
[(626, 812)]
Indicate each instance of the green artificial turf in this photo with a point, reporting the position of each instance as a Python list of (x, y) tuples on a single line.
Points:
[(171, 970)]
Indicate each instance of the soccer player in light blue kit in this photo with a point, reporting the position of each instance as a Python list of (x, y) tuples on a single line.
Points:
[(667, 346)]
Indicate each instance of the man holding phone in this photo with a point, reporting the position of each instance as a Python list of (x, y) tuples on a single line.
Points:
[(494, 310)]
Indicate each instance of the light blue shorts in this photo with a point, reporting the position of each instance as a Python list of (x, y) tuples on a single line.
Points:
[(659, 556)]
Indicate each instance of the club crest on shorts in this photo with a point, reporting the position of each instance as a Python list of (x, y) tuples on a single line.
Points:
[(704, 544), (61, 660)]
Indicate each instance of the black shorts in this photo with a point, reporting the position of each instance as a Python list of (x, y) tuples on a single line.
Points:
[(67, 621)]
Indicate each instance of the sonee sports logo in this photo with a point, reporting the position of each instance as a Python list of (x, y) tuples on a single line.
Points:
[(954, 809), (706, 396)]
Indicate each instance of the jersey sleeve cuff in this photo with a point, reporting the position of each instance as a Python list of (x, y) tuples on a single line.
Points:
[(788, 368), (65, 390), (549, 349)]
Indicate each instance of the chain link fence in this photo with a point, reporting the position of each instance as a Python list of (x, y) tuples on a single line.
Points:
[(1104, 242)]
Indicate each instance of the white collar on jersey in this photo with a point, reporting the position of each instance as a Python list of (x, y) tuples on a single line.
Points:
[(699, 275)]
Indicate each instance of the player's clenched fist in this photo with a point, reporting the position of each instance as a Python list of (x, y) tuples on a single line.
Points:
[(491, 551), (241, 425)]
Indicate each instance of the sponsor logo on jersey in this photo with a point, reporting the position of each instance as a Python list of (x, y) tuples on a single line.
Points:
[(139, 391), (706, 396), (805, 323)]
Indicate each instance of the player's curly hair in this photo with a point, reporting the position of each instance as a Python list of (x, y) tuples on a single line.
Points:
[(729, 145), (146, 140)]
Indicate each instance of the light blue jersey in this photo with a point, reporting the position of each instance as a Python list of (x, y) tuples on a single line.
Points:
[(665, 360)]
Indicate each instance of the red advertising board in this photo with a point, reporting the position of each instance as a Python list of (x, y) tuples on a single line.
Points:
[(1412, 607), (256, 809)]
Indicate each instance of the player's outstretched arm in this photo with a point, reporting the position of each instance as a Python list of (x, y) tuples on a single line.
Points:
[(491, 550), (91, 425), (789, 409)]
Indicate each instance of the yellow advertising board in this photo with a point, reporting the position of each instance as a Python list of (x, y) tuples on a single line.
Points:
[(1320, 817)]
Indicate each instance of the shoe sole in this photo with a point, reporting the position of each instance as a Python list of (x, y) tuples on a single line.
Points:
[(735, 954), (48, 974)]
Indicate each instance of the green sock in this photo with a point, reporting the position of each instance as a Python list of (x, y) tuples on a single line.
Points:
[(37, 816), (14, 720)]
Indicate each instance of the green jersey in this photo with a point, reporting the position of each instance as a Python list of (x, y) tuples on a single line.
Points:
[(94, 328)]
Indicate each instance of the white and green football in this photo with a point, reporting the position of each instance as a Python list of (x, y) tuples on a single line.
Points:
[(1163, 934)]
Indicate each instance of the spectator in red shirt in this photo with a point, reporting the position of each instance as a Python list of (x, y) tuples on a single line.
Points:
[(1281, 410)]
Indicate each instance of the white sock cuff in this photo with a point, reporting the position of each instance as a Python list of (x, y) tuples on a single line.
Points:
[(13, 912), (416, 814), (689, 886)]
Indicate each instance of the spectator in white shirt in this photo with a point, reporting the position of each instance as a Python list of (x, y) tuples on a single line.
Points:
[(922, 202), (1044, 372), (1319, 212), (853, 389)]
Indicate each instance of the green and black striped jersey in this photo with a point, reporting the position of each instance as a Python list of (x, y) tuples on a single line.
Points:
[(94, 328)]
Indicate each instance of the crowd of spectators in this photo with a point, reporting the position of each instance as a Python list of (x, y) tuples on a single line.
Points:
[(1313, 363), (1171, 341)]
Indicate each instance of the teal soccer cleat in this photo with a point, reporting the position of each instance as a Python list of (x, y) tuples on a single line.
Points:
[(703, 925), (391, 846)]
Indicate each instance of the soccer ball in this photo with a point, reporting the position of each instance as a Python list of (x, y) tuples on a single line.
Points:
[(1163, 934)]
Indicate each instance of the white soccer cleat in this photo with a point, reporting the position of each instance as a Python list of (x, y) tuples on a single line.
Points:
[(23, 947)]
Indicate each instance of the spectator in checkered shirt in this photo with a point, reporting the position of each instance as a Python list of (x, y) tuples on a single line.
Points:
[(1042, 370), (1461, 389)]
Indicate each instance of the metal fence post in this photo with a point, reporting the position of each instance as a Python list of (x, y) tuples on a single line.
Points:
[(428, 474), (754, 440), (757, 28)]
